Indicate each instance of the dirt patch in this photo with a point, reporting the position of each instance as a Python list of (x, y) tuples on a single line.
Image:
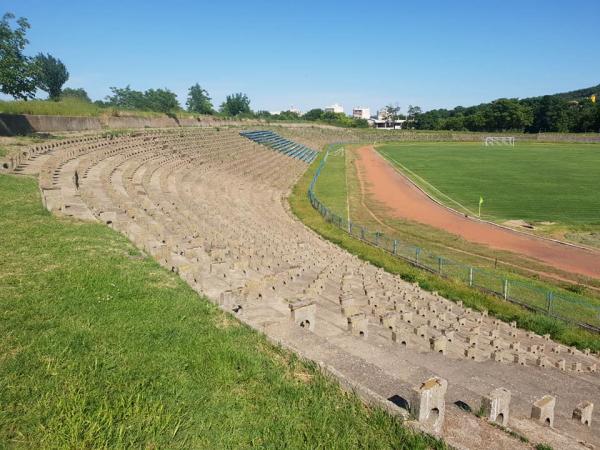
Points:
[(404, 200), (518, 223)]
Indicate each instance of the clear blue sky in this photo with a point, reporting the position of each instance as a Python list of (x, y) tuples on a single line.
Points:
[(314, 53)]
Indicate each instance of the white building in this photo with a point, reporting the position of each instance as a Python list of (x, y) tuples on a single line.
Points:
[(335, 108), (388, 124), (382, 114), (360, 112), (292, 109)]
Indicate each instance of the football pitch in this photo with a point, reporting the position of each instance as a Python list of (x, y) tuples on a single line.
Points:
[(534, 182)]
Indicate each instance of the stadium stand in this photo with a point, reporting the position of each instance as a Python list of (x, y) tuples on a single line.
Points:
[(209, 205)]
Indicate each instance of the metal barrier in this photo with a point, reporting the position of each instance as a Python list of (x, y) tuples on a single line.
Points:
[(559, 304)]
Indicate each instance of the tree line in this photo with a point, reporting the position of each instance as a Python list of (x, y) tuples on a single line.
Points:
[(550, 113), (315, 115)]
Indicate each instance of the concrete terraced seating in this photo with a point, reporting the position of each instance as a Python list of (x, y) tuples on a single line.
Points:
[(281, 144), (210, 205)]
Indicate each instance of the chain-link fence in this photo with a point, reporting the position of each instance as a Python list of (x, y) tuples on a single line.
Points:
[(560, 304)]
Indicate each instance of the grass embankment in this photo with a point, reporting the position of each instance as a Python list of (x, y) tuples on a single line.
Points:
[(453, 290), (102, 348), (551, 186), (74, 107)]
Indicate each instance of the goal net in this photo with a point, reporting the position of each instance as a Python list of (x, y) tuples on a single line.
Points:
[(504, 140)]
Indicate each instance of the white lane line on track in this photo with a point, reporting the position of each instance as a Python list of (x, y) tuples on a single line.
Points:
[(406, 169)]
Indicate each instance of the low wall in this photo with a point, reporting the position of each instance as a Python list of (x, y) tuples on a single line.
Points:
[(19, 124)]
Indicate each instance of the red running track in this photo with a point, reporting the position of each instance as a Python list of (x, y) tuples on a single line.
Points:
[(404, 200)]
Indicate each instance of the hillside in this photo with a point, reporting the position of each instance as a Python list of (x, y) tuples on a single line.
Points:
[(579, 94)]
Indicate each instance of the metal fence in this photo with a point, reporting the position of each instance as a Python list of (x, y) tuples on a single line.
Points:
[(556, 303)]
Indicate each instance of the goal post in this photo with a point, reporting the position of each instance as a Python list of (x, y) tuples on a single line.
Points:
[(499, 140)]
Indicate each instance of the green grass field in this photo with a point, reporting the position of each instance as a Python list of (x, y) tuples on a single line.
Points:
[(102, 348), (535, 182)]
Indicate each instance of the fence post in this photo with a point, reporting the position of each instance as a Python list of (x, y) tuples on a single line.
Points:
[(417, 252), (440, 264), (470, 277), (362, 233), (505, 289), (349, 227), (395, 246), (549, 301)]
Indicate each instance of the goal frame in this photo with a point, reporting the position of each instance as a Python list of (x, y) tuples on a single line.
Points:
[(499, 140)]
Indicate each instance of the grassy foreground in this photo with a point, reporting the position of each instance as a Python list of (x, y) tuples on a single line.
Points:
[(334, 184), (102, 348)]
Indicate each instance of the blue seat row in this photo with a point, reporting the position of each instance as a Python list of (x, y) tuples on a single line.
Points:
[(280, 144)]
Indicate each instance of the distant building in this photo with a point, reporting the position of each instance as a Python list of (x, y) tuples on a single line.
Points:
[(335, 108), (382, 114), (361, 113), (387, 124), (292, 109), (384, 120)]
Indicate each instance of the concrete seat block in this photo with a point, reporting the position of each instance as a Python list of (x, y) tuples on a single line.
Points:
[(358, 325), (422, 331), (439, 344), (428, 403), (542, 410), (388, 320), (496, 406), (583, 413)]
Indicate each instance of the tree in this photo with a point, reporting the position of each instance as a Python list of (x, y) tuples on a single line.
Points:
[(314, 114), (78, 94), (412, 115), (198, 101), (17, 73), (236, 104), (550, 113), (413, 111), (330, 116), (51, 75), (263, 114), (161, 100), (390, 114), (126, 98), (508, 114), (455, 123), (359, 123), (289, 115)]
